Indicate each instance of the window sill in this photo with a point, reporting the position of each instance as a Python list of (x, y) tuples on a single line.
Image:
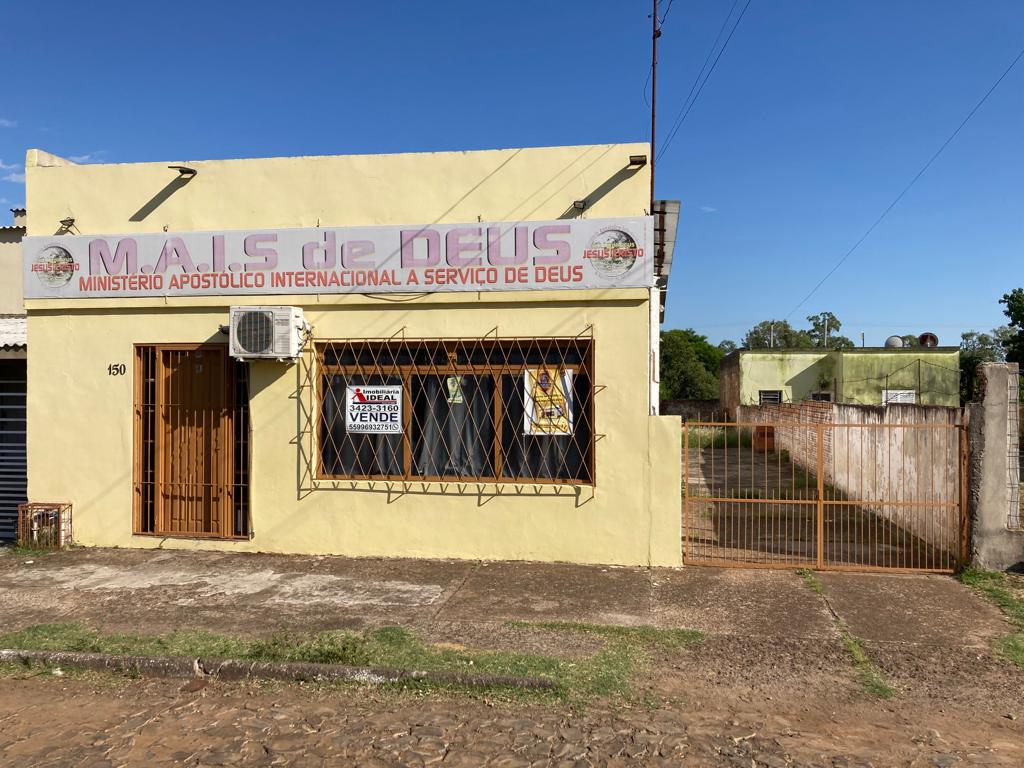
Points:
[(468, 487), (191, 536)]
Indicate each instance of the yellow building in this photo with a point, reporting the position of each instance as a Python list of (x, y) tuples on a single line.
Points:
[(426, 355)]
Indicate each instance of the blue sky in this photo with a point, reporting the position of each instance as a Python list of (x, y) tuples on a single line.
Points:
[(815, 118)]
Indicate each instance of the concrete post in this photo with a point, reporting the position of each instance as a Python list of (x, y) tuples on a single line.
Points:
[(993, 487)]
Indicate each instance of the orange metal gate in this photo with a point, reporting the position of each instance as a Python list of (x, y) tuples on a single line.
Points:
[(825, 496)]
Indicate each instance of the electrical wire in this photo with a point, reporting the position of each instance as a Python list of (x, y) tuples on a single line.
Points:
[(695, 89), (906, 189), (664, 16)]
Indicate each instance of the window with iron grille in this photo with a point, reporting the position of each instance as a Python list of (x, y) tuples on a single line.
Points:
[(769, 397), (908, 396), (498, 410), (820, 397)]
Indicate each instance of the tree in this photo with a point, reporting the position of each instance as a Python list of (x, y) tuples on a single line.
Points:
[(689, 366), (727, 346), (1013, 343), (777, 334), (977, 348), (825, 332)]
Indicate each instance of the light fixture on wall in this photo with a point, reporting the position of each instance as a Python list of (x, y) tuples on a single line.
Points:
[(638, 160), (68, 223), (184, 171), (579, 205)]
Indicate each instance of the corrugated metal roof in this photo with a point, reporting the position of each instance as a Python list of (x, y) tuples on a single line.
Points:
[(13, 332), (6, 226)]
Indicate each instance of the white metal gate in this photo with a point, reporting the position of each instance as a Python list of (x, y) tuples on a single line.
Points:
[(13, 464)]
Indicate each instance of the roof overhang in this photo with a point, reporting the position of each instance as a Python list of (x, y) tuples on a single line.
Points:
[(666, 222), (13, 333)]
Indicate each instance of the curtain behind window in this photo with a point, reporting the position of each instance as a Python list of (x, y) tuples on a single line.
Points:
[(453, 426)]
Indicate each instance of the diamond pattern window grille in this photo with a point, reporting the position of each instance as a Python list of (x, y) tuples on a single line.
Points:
[(476, 409)]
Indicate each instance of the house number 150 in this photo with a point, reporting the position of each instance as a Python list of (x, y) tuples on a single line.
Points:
[(116, 369)]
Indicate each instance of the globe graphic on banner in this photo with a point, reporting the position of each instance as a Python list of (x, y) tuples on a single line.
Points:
[(619, 252), (54, 266)]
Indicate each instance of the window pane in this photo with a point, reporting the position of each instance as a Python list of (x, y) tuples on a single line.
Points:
[(355, 454), (549, 457), (453, 426)]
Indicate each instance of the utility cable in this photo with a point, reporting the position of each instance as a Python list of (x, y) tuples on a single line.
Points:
[(695, 89), (906, 189)]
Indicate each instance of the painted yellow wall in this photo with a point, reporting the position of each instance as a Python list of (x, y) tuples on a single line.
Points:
[(80, 418), (345, 190), (10, 273)]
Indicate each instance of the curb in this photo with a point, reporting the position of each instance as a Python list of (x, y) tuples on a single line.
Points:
[(233, 669)]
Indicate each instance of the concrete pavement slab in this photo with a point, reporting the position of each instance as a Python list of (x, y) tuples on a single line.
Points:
[(251, 593), (552, 591), (927, 609), (740, 601)]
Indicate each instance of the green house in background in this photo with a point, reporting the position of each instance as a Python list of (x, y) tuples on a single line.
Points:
[(861, 376)]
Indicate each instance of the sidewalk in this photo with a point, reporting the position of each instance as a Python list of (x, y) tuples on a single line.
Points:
[(123, 590)]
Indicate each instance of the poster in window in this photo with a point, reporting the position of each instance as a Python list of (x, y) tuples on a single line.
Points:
[(373, 410), (547, 398), (455, 393)]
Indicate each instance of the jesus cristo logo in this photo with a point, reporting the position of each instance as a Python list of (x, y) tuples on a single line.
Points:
[(54, 266), (613, 252)]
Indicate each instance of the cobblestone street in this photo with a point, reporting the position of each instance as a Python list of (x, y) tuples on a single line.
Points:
[(54, 722), (770, 684)]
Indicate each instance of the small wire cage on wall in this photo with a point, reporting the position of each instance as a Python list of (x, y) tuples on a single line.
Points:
[(44, 525)]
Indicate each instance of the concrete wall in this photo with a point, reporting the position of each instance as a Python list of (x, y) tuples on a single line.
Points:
[(796, 373), (729, 384), (693, 410), (994, 482), (631, 515), (853, 376), (10, 271), (933, 373)]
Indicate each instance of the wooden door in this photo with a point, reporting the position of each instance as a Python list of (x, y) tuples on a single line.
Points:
[(194, 452)]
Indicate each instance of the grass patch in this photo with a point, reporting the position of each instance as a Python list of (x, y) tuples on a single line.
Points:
[(654, 637), (1011, 648), (995, 586), (626, 651), (605, 673), (868, 674), (718, 437), (21, 550), (811, 580), (871, 678)]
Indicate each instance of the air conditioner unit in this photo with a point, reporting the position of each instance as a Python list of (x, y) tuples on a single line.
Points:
[(267, 333)]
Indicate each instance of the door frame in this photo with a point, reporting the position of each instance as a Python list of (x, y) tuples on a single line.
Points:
[(226, 527)]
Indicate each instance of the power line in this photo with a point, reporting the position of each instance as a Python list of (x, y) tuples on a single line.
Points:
[(661, 21), (695, 89), (906, 189)]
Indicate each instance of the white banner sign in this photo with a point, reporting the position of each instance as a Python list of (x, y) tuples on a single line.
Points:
[(373, 410), (574, 253)]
